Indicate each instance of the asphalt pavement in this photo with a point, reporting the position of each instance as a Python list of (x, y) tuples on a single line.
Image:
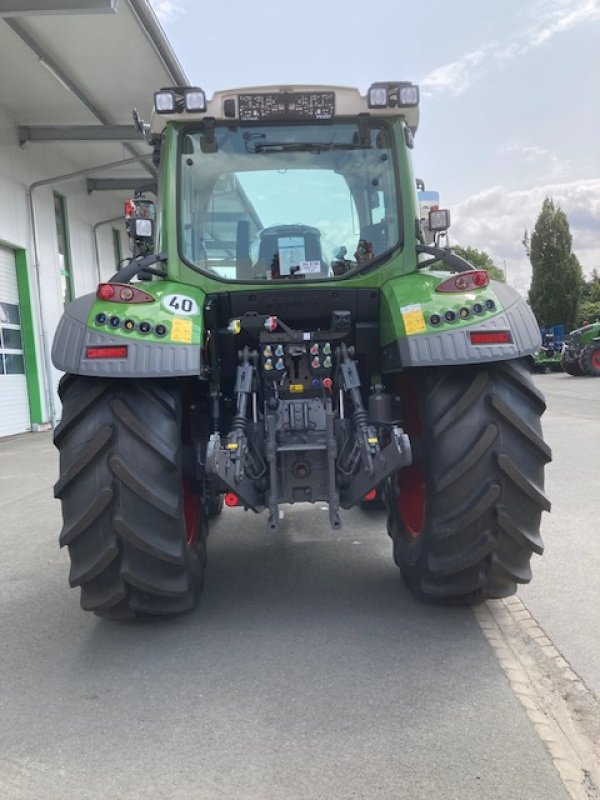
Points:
[(564, 595), (307, 670)]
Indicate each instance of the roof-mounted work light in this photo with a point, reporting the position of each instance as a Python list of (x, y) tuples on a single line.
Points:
[(389, 95), (179, 98), (408, 96), (194, 99), (378, 97), (164, 101)]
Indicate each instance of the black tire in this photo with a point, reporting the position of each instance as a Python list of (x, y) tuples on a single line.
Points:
[(125, 499), (570, 366), (590, 360), (479, 487), (215, 505)]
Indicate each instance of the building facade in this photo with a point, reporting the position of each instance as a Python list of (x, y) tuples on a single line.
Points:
[(70, 156)]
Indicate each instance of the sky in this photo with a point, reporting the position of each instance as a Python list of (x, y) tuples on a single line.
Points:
[(510, 109)]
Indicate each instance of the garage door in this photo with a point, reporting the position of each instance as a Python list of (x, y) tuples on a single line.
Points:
[(14, 402)]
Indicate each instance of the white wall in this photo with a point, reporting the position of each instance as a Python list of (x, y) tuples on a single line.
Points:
[(19, 167)]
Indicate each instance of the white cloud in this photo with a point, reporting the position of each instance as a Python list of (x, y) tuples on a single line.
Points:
[(564, 18), (495, 220), (547, 20), (167, 10), (520, 153), (457, 76)]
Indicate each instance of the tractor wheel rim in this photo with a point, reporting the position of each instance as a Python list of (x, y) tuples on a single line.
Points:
[(191, 513), (410, 502), (596, 359), (411, 499)]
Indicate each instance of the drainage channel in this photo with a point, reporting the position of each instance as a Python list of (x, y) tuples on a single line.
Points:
[(564, 712)]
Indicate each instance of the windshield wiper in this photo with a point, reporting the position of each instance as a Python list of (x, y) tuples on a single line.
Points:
[(302, 147)]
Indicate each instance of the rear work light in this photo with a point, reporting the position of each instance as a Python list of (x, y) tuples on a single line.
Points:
[(164, 101), (106, 351), (122, 293), (465, 281), (390, 95), (490, 337), (194, 99), (175, 99)]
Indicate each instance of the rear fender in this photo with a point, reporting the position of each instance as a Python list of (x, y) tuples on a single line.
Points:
[(145, 357), (451, 345)]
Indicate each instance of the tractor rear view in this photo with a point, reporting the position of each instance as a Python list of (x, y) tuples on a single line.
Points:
[(581, 354), (291, 341)]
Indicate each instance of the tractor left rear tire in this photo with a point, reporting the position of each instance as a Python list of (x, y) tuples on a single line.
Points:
[(135, 530)]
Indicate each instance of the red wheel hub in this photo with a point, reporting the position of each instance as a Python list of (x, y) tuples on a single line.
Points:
[(596, 359), (410, 502)]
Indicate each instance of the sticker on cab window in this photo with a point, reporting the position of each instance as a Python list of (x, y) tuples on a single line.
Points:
[(306, 267), (414, 321), (181, 331), (179, 304)]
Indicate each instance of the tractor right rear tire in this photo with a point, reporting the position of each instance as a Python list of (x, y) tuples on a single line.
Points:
[(590, 360), (135, 529), (465, 517)]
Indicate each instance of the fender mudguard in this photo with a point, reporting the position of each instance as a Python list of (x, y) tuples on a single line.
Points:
[(145, 359), (453, 347)]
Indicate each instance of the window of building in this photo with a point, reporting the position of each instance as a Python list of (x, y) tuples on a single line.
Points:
[(64, 252), (11, 345)]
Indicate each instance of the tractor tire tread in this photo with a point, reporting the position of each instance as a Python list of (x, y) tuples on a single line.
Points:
[(120, 485), (484, 461)]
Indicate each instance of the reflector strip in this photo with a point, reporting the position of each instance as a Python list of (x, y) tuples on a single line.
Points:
[(490, 337), (106, 351)]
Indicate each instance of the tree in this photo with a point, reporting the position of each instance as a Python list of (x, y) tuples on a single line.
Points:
[(481, 260), (556, 272), (589, 299)]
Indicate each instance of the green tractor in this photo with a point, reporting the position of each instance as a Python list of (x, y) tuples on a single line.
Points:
[(290, 341), (549, 357), (581, 353)]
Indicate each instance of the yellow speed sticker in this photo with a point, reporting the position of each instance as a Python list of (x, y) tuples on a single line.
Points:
[(296, 388), (414, 321), (181, 330)]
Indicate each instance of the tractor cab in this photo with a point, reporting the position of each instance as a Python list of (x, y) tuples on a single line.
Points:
[(292, 185)]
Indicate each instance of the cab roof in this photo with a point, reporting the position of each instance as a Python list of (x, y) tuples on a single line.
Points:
[(288, 103)]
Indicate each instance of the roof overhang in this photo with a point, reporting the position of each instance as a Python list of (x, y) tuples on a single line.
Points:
[(70, 84), (23, 8)]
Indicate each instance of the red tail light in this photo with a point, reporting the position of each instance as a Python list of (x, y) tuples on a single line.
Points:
[(106, 351), (122, 293), (231, 500), (370, 495), (465, 281), (490, 337)]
